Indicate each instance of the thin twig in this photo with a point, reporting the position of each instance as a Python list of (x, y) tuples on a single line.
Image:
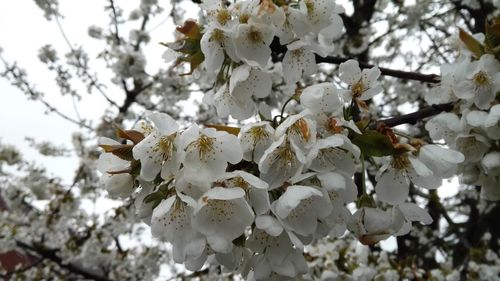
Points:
[(37, 96), (429, 78), (93, 81), (414, 117), (115, 22), (51, 255)]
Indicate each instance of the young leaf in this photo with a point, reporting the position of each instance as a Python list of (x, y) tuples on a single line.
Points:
[(373, 143), (471, 43)]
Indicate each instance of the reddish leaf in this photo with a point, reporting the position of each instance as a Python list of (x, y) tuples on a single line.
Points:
[(471, 43)]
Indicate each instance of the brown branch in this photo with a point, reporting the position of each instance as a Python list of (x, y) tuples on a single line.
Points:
[(414, 117), (51, 255), (429, 78), (115, 22), (35, 95), (92, 80)]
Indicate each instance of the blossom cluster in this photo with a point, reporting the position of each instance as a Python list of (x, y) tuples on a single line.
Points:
[(251, 198), (472, 84), (253, 201)]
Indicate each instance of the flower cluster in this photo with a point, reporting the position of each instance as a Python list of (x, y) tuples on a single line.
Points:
[(472, 84), (252, 198), (236, 47), (256, 199)]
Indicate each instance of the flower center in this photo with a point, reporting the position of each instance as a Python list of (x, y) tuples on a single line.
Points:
[(223, 16), (333, 127), (400, 161), (300, 127), (241, 183), (244, 18), (258, 134), (204, 145), (254, 35), (358, 89), (165, 146), (481, 79), (285, 156), (217, 35), (310, 7), (297, 53)]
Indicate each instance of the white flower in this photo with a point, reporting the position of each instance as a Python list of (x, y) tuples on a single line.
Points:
[(236, 100), (236, 260), (492, 124), (215, 44), (300, 207), (171, 221), (482, 82), (300, 131), (250, 81), (222, 215), (158, 151), (412, 212), (472, 146), (339, 184), (269, 224), (206, 153), (144, 210), (237, 105), (334, 152), (279, 163), (490, 187), (440, 161), (275, 254), (255, 189), (319, 13), (393, 184), (298, 62), (491, 163), (117, 181), (363, 85), (252, 43), (444, 126), (372, 225), (255, 138), (321, 98), (451, 75)]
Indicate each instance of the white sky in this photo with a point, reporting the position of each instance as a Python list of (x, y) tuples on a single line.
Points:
[(23, 30)]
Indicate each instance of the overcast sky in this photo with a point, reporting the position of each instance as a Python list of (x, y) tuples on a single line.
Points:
[(23, 30)]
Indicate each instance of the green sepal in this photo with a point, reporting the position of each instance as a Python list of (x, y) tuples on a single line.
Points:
[(373, 143)]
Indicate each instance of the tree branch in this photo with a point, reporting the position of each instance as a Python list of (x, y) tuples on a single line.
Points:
[(21, 83), (92, 79), (115, 22), (429, 78), (51, 255), (414, 117)]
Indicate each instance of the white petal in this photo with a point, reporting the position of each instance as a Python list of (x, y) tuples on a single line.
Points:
[(350, 72), (392, 187), (255, 53), (292, 197), (419, 167), (213, 52), (165, 124), (269, 224), (412, 212)]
